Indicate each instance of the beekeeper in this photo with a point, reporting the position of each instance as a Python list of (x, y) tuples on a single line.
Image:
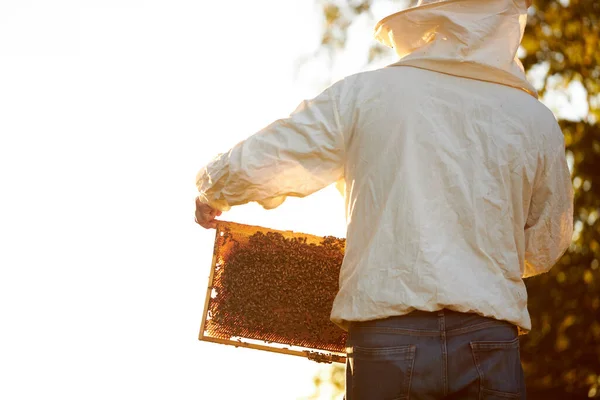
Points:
[(456, 188)]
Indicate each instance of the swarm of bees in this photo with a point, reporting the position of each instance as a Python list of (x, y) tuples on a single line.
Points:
[(276, 289)]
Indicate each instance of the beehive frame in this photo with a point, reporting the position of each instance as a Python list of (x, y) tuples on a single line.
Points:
[(325, 345)]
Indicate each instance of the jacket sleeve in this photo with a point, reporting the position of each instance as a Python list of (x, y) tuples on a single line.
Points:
[(295, 156), (549, 226)]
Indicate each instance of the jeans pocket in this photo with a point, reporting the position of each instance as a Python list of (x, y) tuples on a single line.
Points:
[(382, 373), (499, 367)]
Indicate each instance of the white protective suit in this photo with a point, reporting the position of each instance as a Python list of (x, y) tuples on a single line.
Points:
[(457, 184)]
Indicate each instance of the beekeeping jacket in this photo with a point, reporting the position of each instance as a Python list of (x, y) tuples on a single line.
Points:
[(456, 181)]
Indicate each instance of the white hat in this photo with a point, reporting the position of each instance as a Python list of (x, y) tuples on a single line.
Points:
[(477, 39)]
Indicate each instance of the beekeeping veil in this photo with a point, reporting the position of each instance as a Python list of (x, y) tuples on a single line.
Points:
[(476, 39)]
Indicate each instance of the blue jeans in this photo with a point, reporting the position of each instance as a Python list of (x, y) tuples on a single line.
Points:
[(434, 355)]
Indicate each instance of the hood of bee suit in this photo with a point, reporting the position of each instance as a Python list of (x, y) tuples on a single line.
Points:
[(475, 39)]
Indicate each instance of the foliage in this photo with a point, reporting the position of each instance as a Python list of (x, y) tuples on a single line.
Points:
[(329, 382), (561, 355)]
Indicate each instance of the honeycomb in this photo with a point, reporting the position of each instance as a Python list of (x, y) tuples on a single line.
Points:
[(273, 290)]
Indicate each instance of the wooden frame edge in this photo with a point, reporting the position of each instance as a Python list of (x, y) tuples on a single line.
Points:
[(333, 357), (209, 287)]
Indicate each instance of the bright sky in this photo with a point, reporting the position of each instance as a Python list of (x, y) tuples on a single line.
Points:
[(107, 110)]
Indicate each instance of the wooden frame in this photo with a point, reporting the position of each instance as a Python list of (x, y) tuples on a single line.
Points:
[(317, 355)]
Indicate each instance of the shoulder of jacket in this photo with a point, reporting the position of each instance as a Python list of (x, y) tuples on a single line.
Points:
[(353, 84)]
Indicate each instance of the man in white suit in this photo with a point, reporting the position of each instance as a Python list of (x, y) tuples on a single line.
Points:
[(456, 188)]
